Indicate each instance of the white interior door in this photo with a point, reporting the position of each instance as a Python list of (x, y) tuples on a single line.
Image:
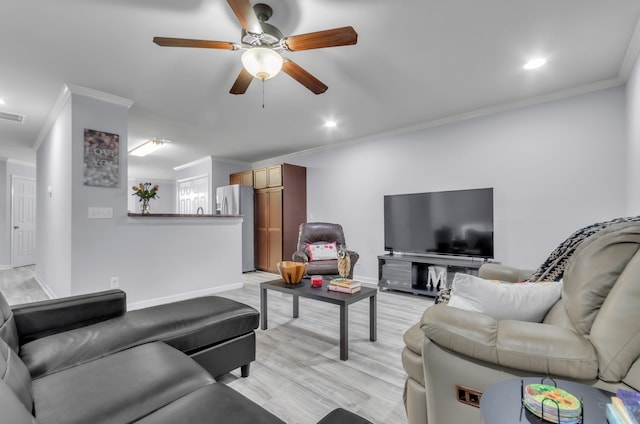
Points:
[(193, 194), (23, 221)]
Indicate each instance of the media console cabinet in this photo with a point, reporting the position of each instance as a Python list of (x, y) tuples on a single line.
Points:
[(424, 275)]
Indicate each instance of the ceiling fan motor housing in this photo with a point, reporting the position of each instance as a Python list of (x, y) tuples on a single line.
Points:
[(271, 36), (263, 11)]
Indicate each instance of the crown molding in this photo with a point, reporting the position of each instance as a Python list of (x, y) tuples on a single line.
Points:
[(89, 92), (631, 55), (63, 97), (193, 163)]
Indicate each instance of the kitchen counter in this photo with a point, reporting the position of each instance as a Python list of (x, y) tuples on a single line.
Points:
[(180, 215), (169, 257)]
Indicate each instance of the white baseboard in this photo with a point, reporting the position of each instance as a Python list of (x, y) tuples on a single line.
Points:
[(44, 287), (182, 296), (3, 267), (370, 282)]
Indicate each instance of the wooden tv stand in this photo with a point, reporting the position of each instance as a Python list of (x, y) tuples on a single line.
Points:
[(410, 273)]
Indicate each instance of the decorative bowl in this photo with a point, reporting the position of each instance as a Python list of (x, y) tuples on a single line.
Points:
[(292, 272)]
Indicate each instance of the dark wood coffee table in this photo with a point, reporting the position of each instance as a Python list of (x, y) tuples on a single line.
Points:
[(322, 294)]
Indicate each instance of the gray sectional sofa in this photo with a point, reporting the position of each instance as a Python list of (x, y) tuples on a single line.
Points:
[(84, 359)]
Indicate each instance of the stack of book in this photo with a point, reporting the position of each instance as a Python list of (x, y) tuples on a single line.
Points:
[(344, 285), (624, 407)]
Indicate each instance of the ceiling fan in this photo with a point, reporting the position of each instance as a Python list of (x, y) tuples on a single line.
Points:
[(263, 43)]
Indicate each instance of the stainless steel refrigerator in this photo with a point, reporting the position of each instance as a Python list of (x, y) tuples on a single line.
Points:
[(237, 199)]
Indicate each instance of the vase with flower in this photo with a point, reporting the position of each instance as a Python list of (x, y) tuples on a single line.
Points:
[(145, 192)]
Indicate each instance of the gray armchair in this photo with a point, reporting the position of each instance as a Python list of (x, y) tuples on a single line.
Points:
[(320, 233), (591, 335)]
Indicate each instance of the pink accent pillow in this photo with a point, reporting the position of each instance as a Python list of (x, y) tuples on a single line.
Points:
[(322, 251)]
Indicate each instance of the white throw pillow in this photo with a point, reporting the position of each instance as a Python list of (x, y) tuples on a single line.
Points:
[(322, 251), (504, 300)]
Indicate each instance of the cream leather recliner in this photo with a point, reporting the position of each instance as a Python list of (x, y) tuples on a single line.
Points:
[(591, 335)]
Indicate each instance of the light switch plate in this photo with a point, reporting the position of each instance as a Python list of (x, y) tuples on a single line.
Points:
[(100, 213)]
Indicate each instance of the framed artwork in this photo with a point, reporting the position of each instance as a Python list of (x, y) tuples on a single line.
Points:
[(101, 158)]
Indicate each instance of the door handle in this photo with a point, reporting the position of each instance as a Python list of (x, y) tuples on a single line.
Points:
[(15, 227)]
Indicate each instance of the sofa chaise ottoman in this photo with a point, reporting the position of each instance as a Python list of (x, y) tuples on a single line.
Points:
[(55, 334), (84, 359)]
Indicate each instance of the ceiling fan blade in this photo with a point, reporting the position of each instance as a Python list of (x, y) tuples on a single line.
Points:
[(344, 36), (246, 15), (303, 77), (188, 42), (242, 82)]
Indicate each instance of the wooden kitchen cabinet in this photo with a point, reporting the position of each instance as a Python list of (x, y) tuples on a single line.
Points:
[(270, 176), (279, 211), (260, 178), (274, 176), (244, 178)]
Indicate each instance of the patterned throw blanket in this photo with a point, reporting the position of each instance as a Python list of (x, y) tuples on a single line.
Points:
[(552, 268)]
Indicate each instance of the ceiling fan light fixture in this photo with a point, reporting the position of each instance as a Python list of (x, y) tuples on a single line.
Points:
[(535, 63), (262, 63)]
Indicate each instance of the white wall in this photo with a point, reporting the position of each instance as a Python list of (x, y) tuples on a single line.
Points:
[(155, 259), (165, 201), (5, 216), (217, 170), (53, 213), (633, 133), (554, 167)]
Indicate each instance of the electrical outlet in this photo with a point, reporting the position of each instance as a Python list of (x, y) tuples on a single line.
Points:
[(115, 282)]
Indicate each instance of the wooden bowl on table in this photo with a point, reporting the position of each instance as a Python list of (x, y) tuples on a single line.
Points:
[(292, 272)]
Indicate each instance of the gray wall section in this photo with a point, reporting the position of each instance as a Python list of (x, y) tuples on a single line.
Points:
[(633, 130), (554, 167), (53, 213), (154, 261), (92, 240), (5, 216), (164, 203)]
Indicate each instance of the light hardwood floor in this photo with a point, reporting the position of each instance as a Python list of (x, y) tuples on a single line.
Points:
[(297, 374)]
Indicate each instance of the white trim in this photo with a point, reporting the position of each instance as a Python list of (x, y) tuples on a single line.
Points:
[(366, 280), (44, 287), (100, 95), (19, 162), (153, 180), (631, 55), (3, 267), (231, 161), (193, 163), (182, 180), (63, 97), (182, 296), (447, 120)]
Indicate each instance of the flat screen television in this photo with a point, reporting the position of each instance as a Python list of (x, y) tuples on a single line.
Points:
[(456, 222)]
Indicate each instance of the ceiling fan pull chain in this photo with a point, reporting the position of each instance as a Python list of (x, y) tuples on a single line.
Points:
[(262, 94)]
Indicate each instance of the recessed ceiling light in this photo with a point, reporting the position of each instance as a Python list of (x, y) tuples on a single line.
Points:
[(535, 63), (330, 124), (2, 102)]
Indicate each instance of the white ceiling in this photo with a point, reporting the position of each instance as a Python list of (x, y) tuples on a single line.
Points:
[(416, 63)]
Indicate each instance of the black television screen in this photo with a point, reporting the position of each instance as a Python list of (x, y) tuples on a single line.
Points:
[(447, 222)]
